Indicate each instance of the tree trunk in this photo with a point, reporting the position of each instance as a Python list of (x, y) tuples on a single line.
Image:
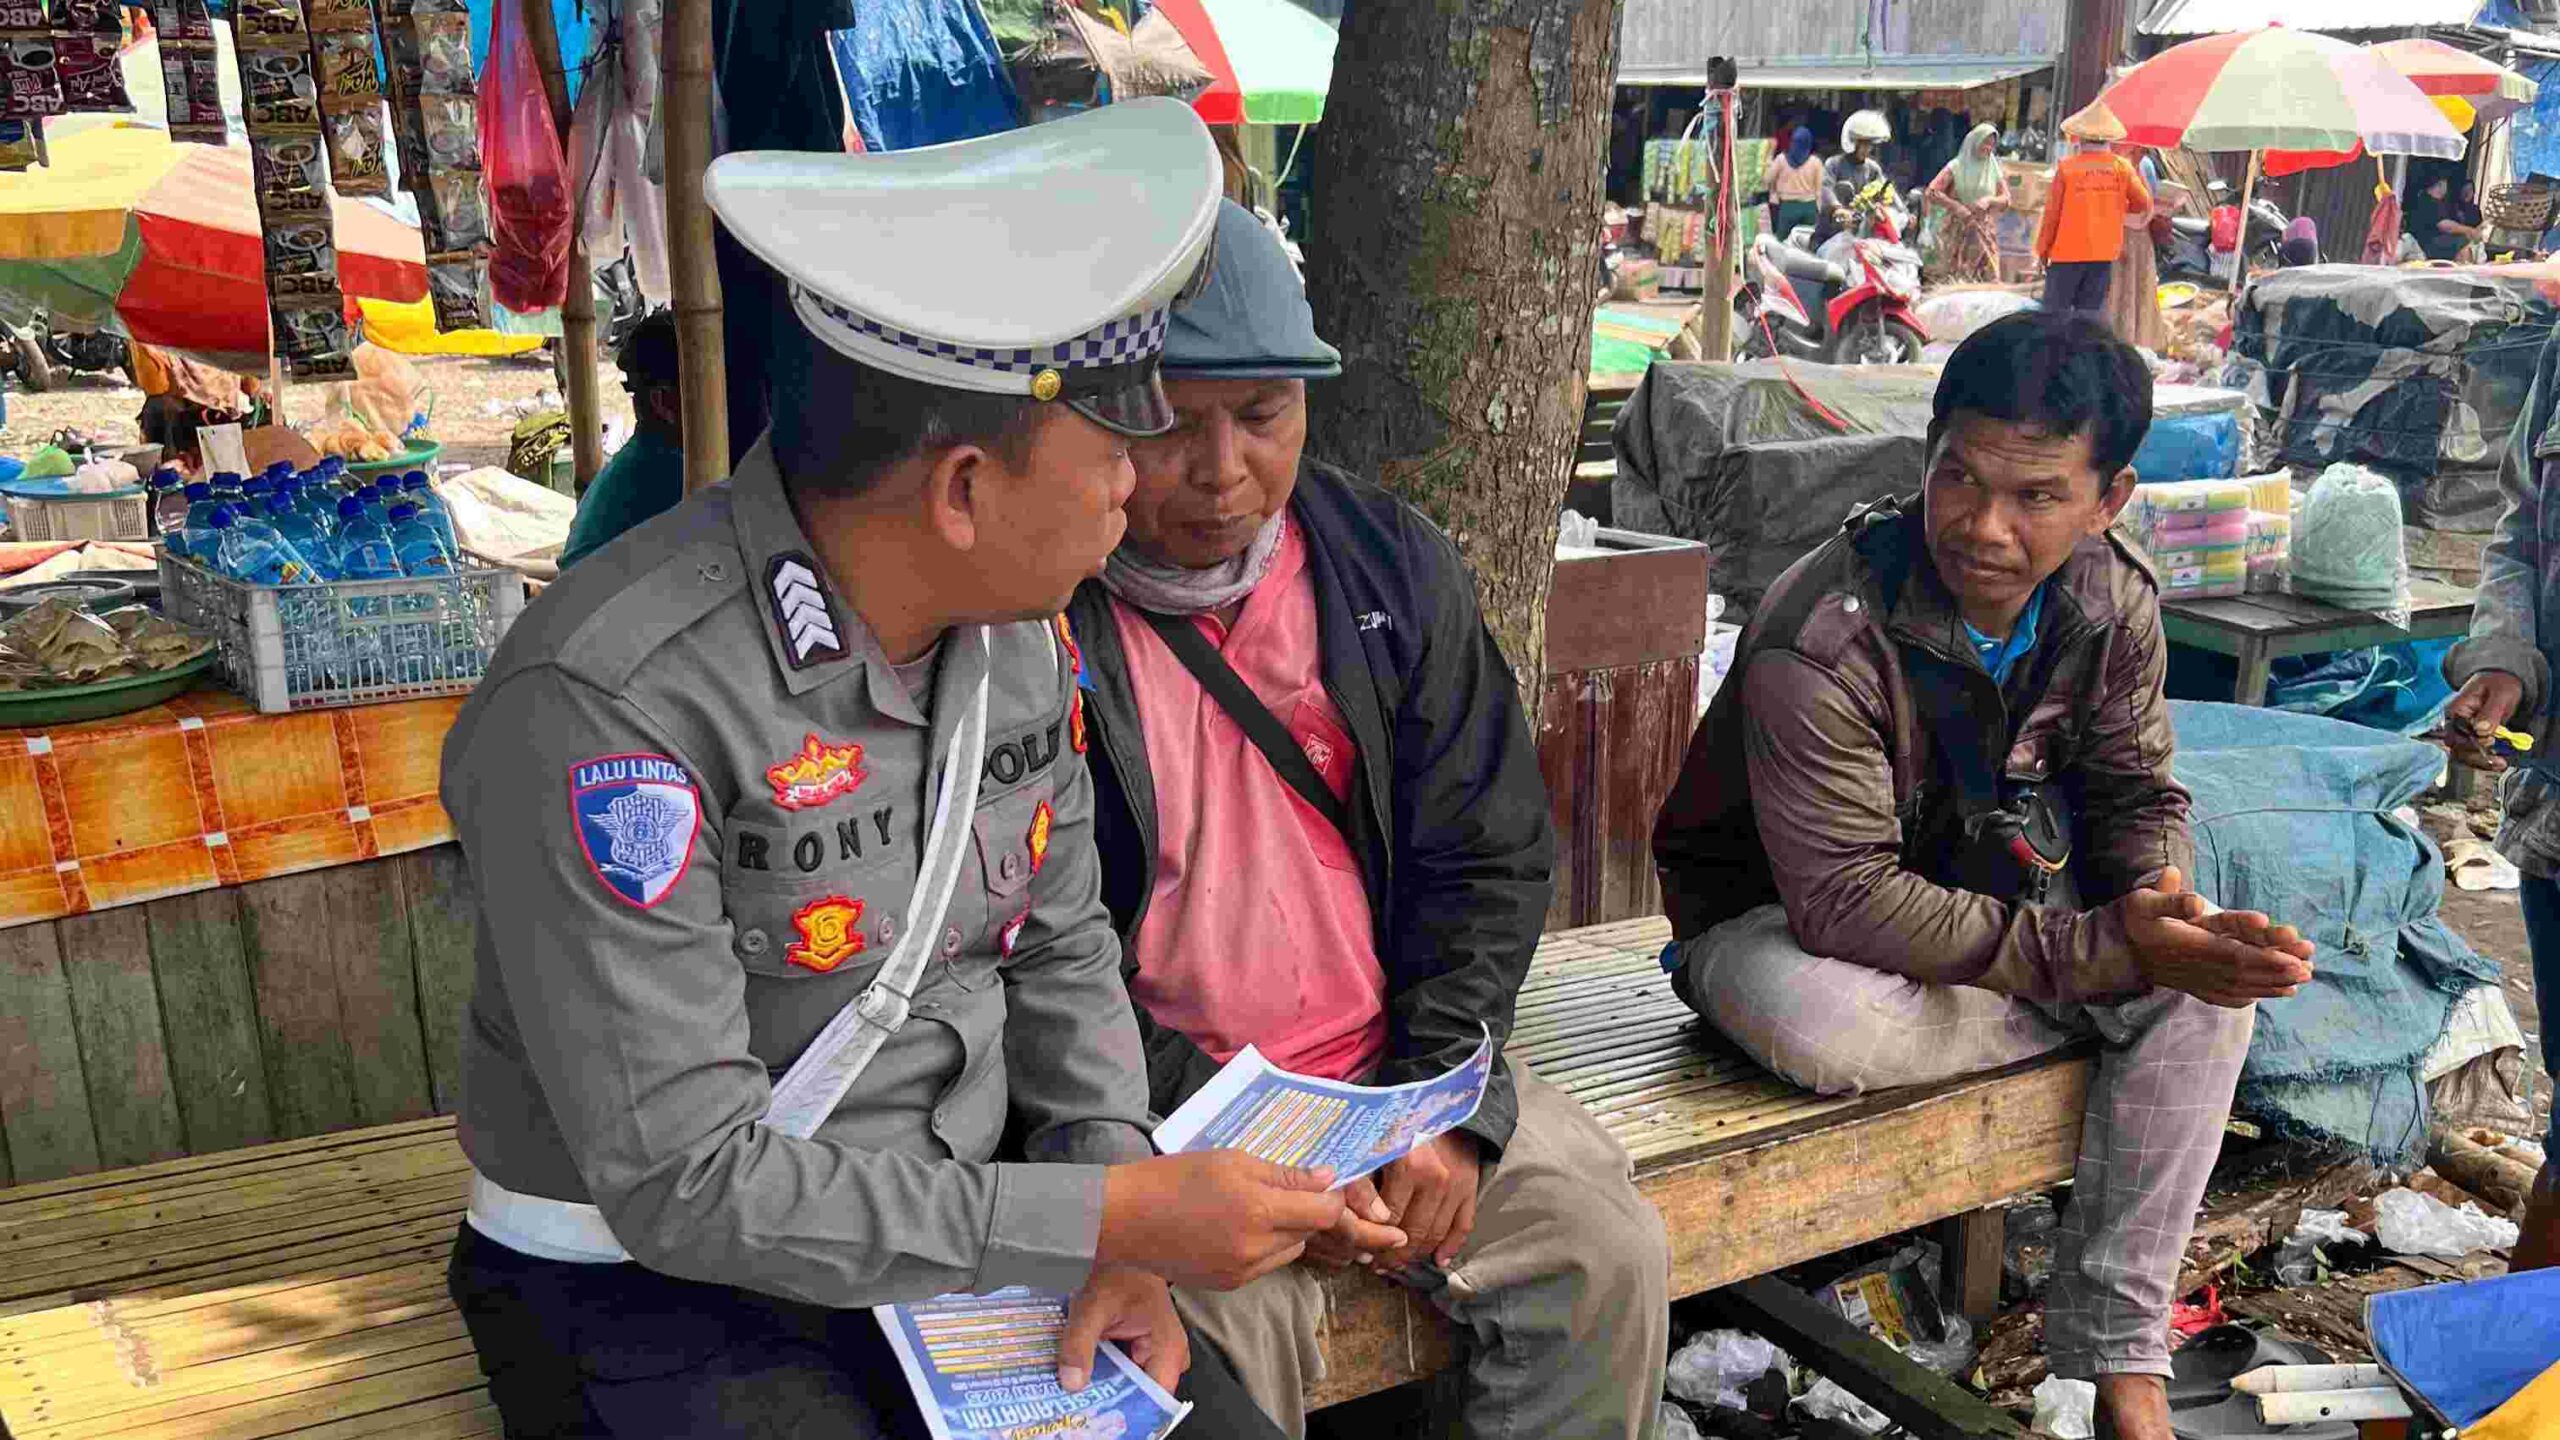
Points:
[(1453, 256)]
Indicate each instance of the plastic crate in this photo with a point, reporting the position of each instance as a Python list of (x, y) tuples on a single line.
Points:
[(346, 642), (124, 515)]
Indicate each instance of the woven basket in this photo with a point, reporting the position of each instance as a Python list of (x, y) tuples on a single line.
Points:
[(2524, 205)]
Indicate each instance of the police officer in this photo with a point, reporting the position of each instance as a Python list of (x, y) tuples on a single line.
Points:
[(777, 812)]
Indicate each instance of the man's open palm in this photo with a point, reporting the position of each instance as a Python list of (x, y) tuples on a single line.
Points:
[(2231, 958)]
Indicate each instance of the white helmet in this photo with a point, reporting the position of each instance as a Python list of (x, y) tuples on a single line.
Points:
[(1867, 125)]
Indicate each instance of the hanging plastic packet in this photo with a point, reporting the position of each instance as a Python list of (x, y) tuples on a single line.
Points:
[(307, 328), (190, 72), (337, 16), (302, 260), (454, 214), (291, 175), (444, 54), (455, 286), (451, 124), (277, 84), (86, 36), (256, 21), (30, 84), (344, 60), (359, 162)]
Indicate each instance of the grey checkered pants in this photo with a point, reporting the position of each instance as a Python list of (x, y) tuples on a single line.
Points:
[(2166, 1068)]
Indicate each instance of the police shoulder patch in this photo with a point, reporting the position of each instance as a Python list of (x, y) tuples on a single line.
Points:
[(636, 816), (801, 608), (1011, 935)]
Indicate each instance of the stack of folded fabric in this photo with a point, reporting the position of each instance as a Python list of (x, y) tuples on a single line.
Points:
[(2270, 550), (2197, 534)]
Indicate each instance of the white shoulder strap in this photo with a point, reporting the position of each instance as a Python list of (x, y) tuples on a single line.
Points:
[(807, 1093)]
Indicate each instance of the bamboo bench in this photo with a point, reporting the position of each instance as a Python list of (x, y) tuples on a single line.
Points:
[(298, 1288)]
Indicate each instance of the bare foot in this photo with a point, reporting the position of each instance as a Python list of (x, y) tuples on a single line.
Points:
[(2133, 1407)]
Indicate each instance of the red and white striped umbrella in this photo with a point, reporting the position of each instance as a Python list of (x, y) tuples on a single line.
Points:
[(2277, 89)]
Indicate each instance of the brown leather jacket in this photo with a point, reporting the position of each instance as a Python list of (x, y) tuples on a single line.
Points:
[(1812, 769)]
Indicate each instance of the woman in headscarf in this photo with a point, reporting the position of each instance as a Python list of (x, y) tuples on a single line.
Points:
[(2301, 244), (1795, 183), (1961, 241), (2133, 290)]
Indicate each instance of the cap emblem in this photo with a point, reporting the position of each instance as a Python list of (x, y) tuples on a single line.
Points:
[(1046, 385)]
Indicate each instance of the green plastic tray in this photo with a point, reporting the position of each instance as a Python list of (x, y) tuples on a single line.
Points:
[(421, 456), (69, 704)]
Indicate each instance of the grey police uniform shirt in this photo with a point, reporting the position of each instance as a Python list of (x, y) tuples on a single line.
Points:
[(693, 794)]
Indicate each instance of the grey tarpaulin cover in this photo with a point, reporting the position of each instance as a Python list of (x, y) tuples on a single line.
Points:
[(1732, 457), (2417, 373)]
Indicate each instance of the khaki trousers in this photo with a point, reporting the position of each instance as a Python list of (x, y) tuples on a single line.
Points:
[(1561, 1295)]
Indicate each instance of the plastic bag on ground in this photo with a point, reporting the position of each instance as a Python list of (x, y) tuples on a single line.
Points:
[(2066, 1409), (1714, 1366), (2409, 1223), (2328, 1227), (1676, 1424), (1827, 1401), (1947, 1356)]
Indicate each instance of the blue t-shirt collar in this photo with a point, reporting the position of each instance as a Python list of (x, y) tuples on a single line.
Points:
[(2000, 657)]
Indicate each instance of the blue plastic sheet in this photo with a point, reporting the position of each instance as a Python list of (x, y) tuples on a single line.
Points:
[(923, 72), (2536, 127), (2190, 447), (2292, 816), (2469, 1348)]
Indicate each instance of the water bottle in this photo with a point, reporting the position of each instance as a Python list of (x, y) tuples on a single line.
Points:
[(415, 489), (195, 535), (376, 507), (414, 539), (226, 487), (168, 505), (307, 539), (364, 548), (255, 553)]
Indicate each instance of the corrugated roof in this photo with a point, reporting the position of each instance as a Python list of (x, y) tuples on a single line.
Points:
[(2222, 17), (1902, 73)]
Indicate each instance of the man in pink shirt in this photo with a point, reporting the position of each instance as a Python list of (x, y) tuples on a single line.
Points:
[(1324, 834)]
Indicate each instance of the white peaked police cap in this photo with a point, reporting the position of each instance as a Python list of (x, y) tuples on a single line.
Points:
[(1039, 262)]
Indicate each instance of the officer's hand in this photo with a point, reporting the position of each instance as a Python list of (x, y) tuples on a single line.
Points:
[(1362, 1234), (1432, 1191), (2488, 700), (1132, 1309), (2178, 947), (1211, 1220)]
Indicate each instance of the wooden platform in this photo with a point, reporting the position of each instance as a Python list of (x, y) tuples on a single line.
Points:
[(298, 1289), (2258, 629)]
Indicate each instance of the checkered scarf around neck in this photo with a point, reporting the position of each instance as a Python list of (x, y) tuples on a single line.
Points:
[(1172, 590)]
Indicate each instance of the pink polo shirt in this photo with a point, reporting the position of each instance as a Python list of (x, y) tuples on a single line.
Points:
[(1258, 932)]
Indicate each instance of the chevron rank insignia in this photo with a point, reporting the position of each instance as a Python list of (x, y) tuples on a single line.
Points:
[(809, 634)]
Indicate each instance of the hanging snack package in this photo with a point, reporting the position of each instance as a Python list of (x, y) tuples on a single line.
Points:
[(335, 16), (358, 162), (311, 326), (277, 87), (345, 62), (195, 23), (30, 85), (302, 260), (456, 216), (444, 54), (190, 72), (454, 284), (291, 177), (18, 147), (89, 17), (253, 21), (451, 125), (92, 81)]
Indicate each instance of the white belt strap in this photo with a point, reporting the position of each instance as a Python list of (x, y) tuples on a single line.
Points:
[(808, 1092)]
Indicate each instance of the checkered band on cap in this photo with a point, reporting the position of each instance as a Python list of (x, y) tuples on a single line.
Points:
[(1124, 341)]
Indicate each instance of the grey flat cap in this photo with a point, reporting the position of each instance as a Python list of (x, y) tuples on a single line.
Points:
[(1252, 322)]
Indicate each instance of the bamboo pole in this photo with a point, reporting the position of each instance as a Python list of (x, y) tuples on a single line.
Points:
[(686, 104), (2240, 247), (578, 309), (1715, 294)]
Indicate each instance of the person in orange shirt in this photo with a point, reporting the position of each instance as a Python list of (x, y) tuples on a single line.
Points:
[(2095, 196)]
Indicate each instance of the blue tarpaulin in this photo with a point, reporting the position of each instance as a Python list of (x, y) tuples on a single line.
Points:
[(922, 72), (2536, 127), (2469, 1348), (2293, 816)]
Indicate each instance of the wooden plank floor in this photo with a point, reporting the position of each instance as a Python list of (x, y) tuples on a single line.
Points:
[(298, 1289)]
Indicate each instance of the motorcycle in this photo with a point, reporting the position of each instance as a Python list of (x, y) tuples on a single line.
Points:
[(2189, 253), (1852, 304)]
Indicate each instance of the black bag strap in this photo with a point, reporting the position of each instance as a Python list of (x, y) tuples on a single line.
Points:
[(1246, 708)]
